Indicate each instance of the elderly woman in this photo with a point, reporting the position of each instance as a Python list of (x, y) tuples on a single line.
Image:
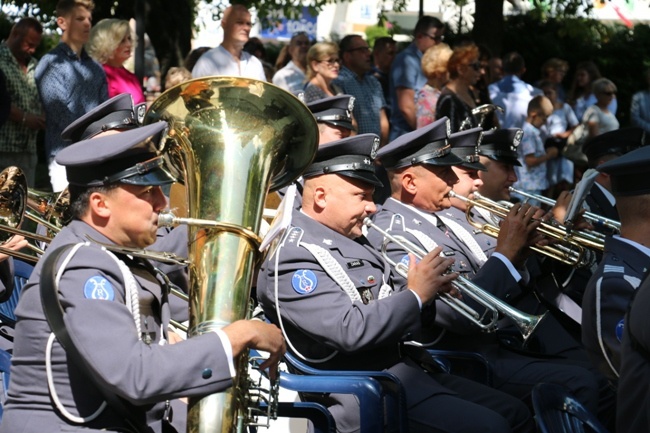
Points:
[(599, 118), (434, 67), (457, 99), (111, 45), (323, 66)]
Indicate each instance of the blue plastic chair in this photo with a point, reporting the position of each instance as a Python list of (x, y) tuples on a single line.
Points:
[(557, 411), (5, 365), (393, 398), (470, 365), (22, 272), (369, 391)]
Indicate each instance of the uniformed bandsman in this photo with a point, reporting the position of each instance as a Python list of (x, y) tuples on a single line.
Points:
[(113, 308), (599, 150), (625, 262), (419, 166), (335, 298)]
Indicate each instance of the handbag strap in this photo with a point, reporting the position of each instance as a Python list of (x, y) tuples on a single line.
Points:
[(54, 315)]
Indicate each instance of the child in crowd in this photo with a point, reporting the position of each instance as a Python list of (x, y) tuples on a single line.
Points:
[(558, 128), (532, 154)]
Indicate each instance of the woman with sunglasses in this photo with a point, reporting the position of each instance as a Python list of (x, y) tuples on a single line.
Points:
[(599, 118), (457, 99), (323, 66)]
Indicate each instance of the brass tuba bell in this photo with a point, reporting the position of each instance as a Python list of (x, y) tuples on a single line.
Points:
[(232, 140)]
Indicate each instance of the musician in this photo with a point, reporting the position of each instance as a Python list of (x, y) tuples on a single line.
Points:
[(118, 114), (599, 150), (113, 309), (340, 310), (419, 166), (334, 117), (633, 412), (625, 263)]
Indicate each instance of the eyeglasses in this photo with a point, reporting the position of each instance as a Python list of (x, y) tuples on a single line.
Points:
[(365, 49), (612, 93), (476, 66), (438, 38), (331, 62)]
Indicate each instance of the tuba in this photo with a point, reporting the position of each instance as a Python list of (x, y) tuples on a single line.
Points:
[(231, 140)]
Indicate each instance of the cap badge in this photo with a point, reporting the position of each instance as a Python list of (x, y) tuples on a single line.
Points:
[(350, 105), (99, 287), (517, 140), (375, 147), (304, 281)]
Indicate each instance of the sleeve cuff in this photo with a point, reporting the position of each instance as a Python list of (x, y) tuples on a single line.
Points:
[(227, 348), (515, 274), (418, 298)]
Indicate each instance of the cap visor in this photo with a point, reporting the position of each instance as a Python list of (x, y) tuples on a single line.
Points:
[(449, 159), (474, 166), (155, 177), (342, 124), (365, 176)]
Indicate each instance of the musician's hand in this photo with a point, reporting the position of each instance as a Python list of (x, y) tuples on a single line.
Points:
[(14, 243), (430, 275), (560, 209), (258, 335), (515, 232)]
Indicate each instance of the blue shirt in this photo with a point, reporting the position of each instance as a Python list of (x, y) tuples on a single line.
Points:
[(69, 87), (513, 95), (406, 71), (531, 178), (368, 99)]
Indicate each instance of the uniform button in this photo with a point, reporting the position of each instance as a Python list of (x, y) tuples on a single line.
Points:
[(207, 373)]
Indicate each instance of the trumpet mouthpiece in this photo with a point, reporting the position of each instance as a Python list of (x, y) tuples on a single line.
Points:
[(166, 219)]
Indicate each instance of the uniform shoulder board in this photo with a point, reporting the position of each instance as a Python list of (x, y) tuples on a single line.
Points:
[(293, 236)]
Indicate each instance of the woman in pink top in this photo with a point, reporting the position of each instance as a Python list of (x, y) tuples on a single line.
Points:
[(111, 45)]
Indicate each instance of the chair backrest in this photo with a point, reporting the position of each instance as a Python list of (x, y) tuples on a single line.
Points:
[(22, 271), (557, 411)]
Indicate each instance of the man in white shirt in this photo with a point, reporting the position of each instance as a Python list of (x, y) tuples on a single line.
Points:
[(229, 58), (292, 76)]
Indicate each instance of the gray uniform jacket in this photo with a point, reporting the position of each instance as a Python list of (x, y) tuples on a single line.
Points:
[(145, 375), (320, 318), (606, 301), (402, 220), (633, 396)]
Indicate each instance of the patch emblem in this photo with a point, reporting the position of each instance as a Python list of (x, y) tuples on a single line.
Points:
[(304, 281), (99, 288), (620, 326), (405, 261)]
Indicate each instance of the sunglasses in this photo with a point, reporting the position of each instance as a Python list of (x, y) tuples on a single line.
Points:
[(476, 66), (331, 62), (364, 49), (609, 93), (438, 38)]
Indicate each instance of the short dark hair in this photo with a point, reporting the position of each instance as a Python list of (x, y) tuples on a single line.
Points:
[(425, 23), (383, 42), (513, 63), (80, 196), (346, 43), (22, 26), (64, 7)]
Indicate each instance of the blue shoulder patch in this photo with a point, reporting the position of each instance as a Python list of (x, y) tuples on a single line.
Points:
[(405, 260), (304, 281), (620, 326), (99, 288)]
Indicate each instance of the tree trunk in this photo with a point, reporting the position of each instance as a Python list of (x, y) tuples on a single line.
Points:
[(489, 24)]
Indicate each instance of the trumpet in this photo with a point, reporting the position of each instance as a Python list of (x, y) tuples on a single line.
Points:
[(594, 219), (567, 251), (487, 321)]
